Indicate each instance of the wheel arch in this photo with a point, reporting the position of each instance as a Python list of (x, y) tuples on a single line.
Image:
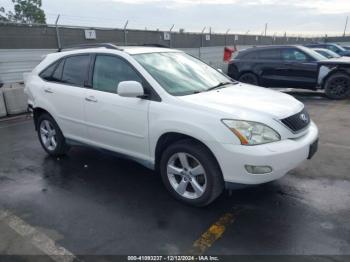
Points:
[(37, 112), (332, 72), (169, 138)]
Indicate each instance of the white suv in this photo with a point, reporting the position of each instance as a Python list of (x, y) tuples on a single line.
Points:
[(172, 113)]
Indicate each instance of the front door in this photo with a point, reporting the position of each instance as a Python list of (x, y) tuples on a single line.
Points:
[(299, 70), (113, 122)]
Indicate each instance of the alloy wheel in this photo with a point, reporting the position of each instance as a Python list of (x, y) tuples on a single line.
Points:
[(339, 86), (48, 135), (186, 175)]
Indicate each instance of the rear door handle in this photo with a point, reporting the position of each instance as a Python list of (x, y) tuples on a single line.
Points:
[(48, 90), (91, 99)]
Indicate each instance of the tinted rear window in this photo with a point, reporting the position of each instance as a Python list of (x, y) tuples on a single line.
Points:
[(272, 54), (75, 70), (252, 55), (47, 73)]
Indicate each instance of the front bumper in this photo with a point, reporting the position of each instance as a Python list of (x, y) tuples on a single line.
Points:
[(282, 156)]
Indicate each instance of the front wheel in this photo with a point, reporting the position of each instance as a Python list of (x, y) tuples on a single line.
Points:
[(337, 86), (190, 173)]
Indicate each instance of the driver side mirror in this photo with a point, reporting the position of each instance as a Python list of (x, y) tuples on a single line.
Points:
[(130, 89)]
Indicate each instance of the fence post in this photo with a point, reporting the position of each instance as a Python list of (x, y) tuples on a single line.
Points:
[(58, 33), (125, 33), (170, 40)]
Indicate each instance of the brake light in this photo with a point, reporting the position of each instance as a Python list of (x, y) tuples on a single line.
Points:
[(228, 51)]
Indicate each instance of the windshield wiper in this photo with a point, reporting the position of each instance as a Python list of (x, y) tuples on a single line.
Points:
[(220, 85)]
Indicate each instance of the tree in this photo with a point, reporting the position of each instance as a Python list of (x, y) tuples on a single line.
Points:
[(25, 11), (3, 18)]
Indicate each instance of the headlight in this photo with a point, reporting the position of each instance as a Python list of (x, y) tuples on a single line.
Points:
[(252, 133)]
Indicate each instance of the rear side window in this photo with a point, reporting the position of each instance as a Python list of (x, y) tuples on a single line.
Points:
[(272, 54), (75, 70), (252, 55), (47, 73), (57, 74), (109, 71)]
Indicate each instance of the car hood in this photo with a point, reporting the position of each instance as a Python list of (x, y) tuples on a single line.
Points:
[(333, 61), (238, 99)]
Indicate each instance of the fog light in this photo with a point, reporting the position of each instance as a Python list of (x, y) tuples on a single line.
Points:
[(258, 169)]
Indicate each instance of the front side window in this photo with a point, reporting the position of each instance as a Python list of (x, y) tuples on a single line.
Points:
[(179, 73), (75, 70), (109, 71), (293, 55)]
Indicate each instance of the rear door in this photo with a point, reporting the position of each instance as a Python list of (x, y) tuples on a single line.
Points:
[(64, 90), (116, 123), (298, 70)]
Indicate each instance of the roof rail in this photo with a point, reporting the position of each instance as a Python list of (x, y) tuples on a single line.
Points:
[(96, 45), (156, 45)]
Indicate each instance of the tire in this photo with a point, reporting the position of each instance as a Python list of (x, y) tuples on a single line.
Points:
[(249, 78), (337, 86), (49, 131), (209, 178)]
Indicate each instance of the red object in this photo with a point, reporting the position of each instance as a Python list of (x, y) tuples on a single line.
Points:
[(228, 51)]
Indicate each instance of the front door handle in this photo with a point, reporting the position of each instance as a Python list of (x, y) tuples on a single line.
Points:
[(91, 99), (48, 90)]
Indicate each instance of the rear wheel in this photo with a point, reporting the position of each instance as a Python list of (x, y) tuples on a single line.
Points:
[(337, 86), (249, 78), (191, 173), (50, 136)]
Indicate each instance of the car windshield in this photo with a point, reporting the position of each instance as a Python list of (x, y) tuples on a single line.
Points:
[(181, 74), (313, 53), (327, 53), (339, 47)]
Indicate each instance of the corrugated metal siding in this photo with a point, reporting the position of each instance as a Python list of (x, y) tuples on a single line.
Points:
[(15, 62), (214, 56)]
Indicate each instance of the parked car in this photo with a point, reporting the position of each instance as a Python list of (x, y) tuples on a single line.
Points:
[(292, 67), (172, 113), (346, 47), (326, 53), (333, 47)]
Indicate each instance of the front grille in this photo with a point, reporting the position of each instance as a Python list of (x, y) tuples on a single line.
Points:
[(298, 121)]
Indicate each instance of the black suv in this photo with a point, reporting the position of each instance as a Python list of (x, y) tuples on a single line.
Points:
[(333, 47), (292, 67)]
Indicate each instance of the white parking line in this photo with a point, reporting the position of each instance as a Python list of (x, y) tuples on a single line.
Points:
[(36, 238)]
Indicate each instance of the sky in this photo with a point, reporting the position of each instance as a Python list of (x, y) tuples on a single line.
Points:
[(296, 17)]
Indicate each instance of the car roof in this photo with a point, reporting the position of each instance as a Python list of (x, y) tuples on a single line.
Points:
[(321, 49), (257, 48), (132, 50), (320, 44)]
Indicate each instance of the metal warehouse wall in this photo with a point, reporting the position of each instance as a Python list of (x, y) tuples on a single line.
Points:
[(15, 62), (22, 47), (44, 37)]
